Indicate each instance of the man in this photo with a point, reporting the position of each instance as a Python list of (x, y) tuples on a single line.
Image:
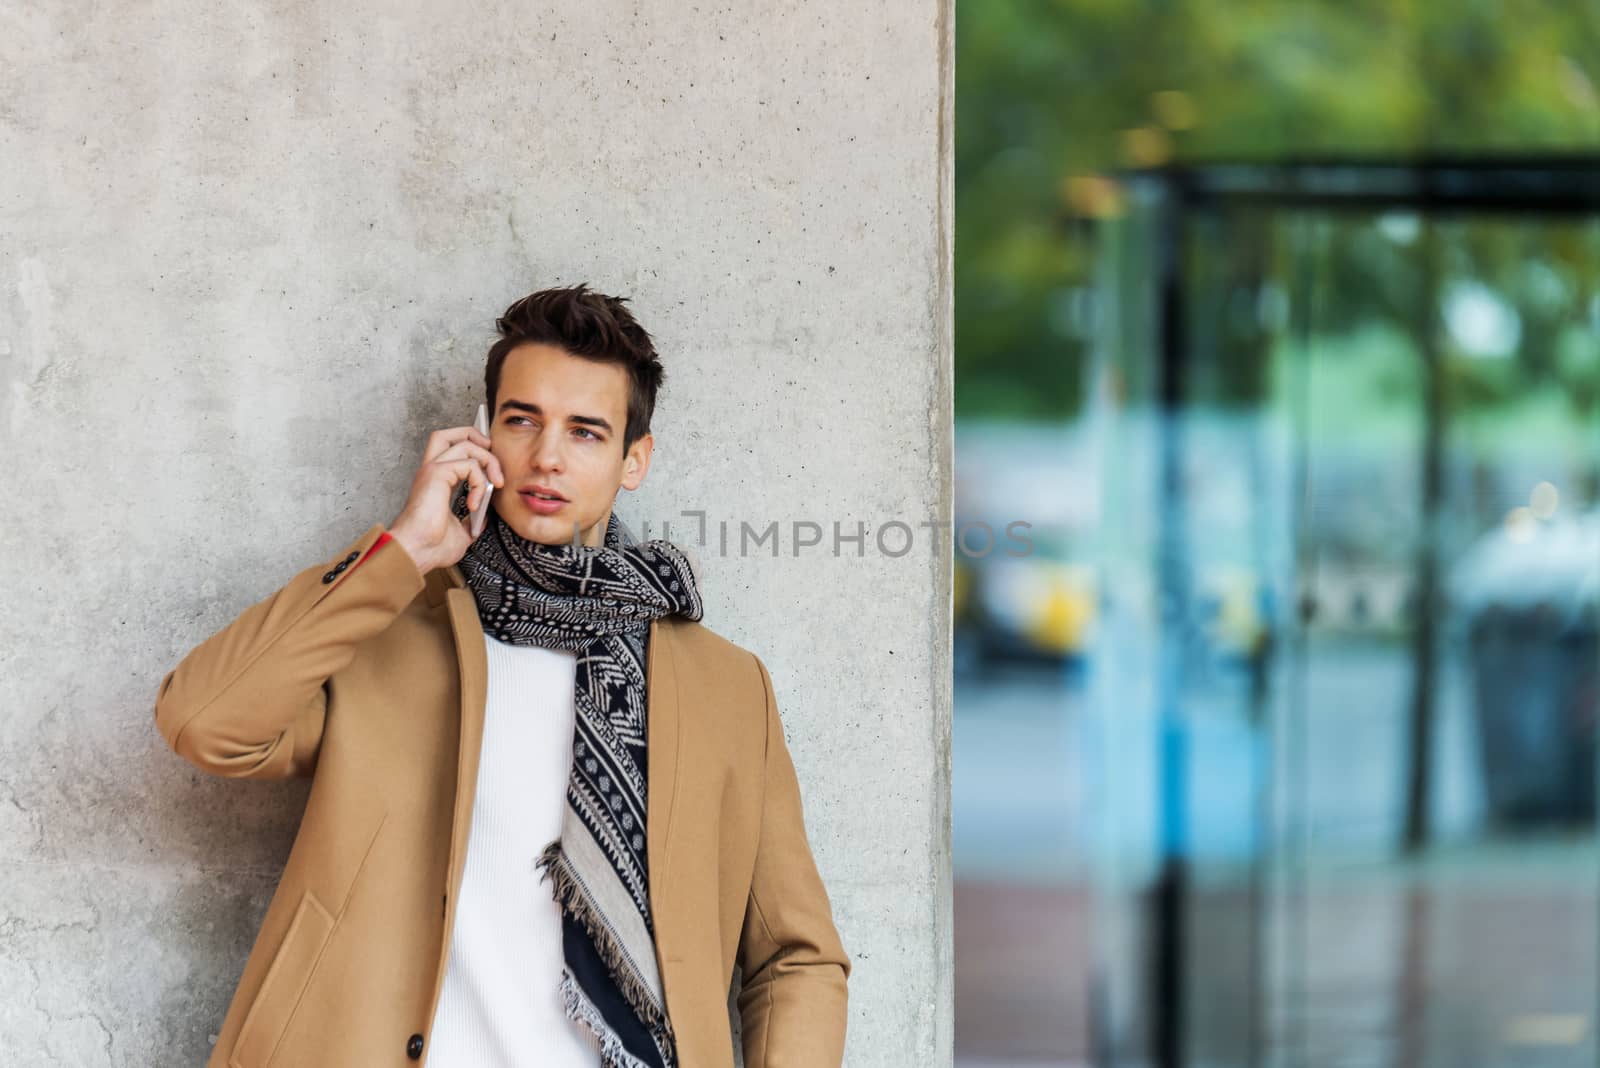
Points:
[(550, 811)]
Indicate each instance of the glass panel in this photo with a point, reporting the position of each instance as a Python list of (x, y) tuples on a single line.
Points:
[(1343, 693), (1124, 686), (1437, 903)]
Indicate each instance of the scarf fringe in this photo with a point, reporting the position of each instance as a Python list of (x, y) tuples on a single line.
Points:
[(613, 1054), (555, 866)]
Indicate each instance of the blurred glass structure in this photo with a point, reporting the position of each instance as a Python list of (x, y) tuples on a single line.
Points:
[(1279, 749), (1338, 684)]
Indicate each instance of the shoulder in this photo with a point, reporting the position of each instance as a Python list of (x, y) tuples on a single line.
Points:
[(703, 657), (699, 644)]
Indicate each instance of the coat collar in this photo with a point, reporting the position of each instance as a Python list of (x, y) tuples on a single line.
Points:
[(447, 586)]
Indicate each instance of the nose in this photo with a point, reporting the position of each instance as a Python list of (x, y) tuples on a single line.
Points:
[(547, 451)]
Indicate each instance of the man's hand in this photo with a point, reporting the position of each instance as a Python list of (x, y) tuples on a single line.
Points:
[(427, 529)]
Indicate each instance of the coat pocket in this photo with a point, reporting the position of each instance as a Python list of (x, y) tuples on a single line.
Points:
[(283, 985)]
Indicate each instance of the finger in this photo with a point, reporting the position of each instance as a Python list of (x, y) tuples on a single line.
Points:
[(440, 441), (490, 462), (468, 470)]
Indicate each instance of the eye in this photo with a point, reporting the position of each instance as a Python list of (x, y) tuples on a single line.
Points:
[(586, 430)]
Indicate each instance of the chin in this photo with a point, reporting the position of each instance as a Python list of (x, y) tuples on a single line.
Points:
[(544, 529)]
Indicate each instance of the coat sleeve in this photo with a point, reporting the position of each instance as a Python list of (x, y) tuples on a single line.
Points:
[(793, 1003), (250, 701)]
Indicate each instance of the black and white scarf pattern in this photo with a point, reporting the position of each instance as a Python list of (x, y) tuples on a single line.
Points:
[(596, 601)]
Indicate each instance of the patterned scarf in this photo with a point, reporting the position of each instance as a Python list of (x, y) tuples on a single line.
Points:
[(596, 601)]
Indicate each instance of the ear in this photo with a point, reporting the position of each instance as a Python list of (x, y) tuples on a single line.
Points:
[(636, 463)]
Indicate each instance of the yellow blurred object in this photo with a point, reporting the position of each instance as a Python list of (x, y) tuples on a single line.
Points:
[(1175, 109), (1238, 624), (1093, 195), (1146, 146), (1060, 614)]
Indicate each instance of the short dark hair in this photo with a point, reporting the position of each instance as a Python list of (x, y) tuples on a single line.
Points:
[(587, 324)]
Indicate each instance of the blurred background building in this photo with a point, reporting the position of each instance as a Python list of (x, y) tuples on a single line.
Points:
[(1278, 386)]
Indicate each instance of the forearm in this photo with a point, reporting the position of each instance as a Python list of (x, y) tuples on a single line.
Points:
[(249, 700), (793, 1012)]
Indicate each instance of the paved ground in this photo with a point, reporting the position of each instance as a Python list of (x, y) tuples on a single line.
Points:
[(1021, 955), (1387, 970), (1483, 955)]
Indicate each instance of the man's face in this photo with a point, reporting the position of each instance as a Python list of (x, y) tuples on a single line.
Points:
[(558, 425)]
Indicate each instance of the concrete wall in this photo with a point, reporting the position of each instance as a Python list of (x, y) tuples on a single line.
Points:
[(252, 253)]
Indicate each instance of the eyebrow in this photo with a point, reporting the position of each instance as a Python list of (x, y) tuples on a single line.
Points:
[(534, 409)]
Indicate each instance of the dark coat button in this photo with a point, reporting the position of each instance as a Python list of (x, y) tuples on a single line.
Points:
[(414, 1047), (351, 558), (330, 576), (340, 567)]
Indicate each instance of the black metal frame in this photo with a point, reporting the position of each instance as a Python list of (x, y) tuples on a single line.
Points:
[(1558, 184)]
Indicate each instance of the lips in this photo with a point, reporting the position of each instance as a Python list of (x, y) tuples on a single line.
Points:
[(541, 505), (531, 490)]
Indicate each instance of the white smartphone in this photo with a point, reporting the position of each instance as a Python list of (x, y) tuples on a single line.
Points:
[(480, 514)]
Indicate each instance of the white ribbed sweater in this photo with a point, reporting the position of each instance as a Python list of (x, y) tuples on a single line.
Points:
[(500, 1007)]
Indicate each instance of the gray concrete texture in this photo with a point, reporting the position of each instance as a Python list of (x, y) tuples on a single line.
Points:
[(252, 254)]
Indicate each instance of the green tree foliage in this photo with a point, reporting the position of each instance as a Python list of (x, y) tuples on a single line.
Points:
[(1050, 93)]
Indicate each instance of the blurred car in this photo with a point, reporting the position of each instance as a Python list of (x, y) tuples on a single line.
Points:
[(1039, 606)]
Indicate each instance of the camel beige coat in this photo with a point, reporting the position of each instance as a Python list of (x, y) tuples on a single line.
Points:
[(370, 677)]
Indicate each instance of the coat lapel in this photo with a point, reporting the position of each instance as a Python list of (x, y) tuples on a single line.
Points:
[(661, 739), (661, 776), (473, 660)]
